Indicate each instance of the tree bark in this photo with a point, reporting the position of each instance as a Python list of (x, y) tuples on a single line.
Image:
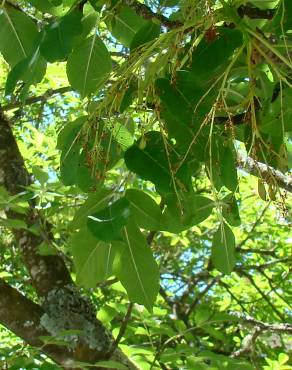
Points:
[(63, 306)]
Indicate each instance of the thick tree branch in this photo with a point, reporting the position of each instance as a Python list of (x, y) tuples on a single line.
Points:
[(258, 327), (25, 318), (265, 172), (22, 317)]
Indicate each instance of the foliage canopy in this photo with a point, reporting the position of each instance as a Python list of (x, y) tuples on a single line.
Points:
[(144, 184)]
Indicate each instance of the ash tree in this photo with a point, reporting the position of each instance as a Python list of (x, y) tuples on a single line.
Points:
[(145, 189)]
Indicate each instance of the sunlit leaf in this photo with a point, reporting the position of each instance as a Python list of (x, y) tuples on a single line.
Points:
[(88, 65), (136, 268), (92, 258)]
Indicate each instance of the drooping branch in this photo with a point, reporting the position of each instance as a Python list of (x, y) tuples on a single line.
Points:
[(265, 172)]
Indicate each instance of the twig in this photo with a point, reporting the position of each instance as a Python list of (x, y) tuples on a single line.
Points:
[(238, 301), (263, 295), (249, 343), (238, 248), (34, 99), (122, 330), (202, 293), (266, 252), (265, 265)]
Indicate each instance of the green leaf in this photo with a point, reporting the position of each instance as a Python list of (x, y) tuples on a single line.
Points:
[(17, 35), (90, 19), (168, 3), (121, 134), (146, 212), (136, 268), (88, 65), (69, 163), (69, 133), (223, 249), (128, 97), (69, 141), (125, 24), (86, 165), (93, 203), (186, 211), (40, 175), (147, 33), (183, 110), (59, 36), (69, 3), (277, 117), (85, 176), (45, 249), (204, 65), (228, 167), (13, 223), (92, 258), (30, 70), (106, 224), (46, 6), (106, 314), (148, 159), (177, 107)]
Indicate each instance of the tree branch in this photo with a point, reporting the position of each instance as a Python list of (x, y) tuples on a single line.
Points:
[(202, 293), (123, 327), (34, 99), (258, 328), (265, 172), (22, 317), (255, 13), (147, 13)]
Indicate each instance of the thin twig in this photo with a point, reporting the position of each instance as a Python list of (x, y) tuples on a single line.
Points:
[(123, 328), (263, 295), (238, 248), (202, 293), (34, 99)]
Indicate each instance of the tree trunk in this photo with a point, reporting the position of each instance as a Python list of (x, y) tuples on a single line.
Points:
[(62, 305)]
